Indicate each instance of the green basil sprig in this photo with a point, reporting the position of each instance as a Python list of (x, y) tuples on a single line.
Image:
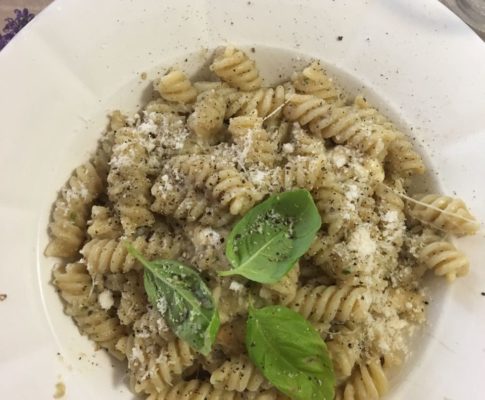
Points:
[(265, 244), (183, 299), (290, 353)]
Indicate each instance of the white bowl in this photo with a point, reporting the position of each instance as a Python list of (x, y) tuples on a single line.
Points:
[(79, 60)]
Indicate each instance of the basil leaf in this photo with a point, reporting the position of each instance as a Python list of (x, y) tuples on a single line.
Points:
[(290, 353), (183, 299), (265, 244)]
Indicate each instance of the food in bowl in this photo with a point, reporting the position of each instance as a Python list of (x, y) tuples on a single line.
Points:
[(227, 216)]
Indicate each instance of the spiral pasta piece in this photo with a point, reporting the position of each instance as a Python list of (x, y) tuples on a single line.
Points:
[(443, 212), (128, 183), (315, 81), (368, 382), (309, 110), (75, 287), (320, 251), (227, 184), (445, 260), (136, 350), (283, 291), (344, 356), (391, 213), (103, 224), (403, 159), (248, 133), (334, 204), (208, 116), (407, 303), (208, 252), (102, 155), (235, 68), (171, 362), (153, 364), (111, 255), (133, 301), (300, 172), (357, 126), (70, 213), (389, 199), (264, 101), (181, 201), (100, 327), (163, 107), (151, 325), (328, 303), (305, 144), (228, 305), (117, 120), (238, 374), (195, 390), (231, 336), (175, 86), (363, 128)]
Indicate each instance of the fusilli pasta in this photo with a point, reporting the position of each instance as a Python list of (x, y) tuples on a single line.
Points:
[(444, 213), (238, 374), (71, 210), (235, 68), (445, 260), (175, 198), (283, 291), (248, 133), (224, 181), (103, 224), (195, 390), (315, 81), (368, 382), (264, 101), (175, 86), (173, 179), (128, 183), (75, 286), (208, 116), (357, 126), (324, 304), (403, 159)]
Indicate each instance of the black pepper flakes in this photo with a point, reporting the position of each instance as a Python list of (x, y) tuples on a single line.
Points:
[(340, 38), (3, 296)]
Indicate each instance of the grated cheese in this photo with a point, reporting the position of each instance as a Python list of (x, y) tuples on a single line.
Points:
[(361, 242), (105, 299), (258, 176), (236, 286), (162, 305), (206, 237), (137, 355), (288, 148), (162, 325)]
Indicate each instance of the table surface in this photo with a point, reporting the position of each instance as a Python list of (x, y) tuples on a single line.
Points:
[(7, 7)]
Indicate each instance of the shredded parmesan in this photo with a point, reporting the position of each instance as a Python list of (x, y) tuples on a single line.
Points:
[(105, 299), (236, 286), (361, 242), (288, 148)]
